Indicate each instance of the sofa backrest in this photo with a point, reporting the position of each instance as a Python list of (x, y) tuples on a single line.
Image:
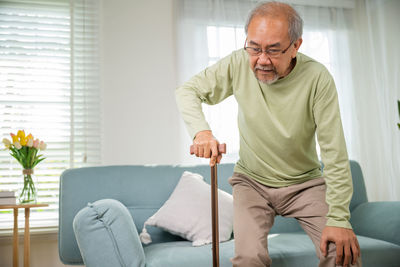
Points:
[(143, 190), (359, 190)]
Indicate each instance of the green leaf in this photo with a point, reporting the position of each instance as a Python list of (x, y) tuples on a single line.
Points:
[(37, 162), (29, 158), (398, 106)]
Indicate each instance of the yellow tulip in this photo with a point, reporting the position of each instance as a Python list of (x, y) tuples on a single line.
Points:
[(14, 137), (30, 136), (21, 134), (22, 138), (23, 141)]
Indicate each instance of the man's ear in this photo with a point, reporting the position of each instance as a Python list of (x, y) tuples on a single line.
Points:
[(296, 46)]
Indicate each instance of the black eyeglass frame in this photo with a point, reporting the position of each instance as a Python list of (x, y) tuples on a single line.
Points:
[(259, 51)]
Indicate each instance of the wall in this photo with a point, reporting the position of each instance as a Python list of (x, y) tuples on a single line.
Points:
[(141, 121)]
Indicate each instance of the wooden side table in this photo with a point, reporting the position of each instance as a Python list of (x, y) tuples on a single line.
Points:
[(27, 208)]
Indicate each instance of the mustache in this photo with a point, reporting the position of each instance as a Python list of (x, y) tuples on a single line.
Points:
[(260, 67)]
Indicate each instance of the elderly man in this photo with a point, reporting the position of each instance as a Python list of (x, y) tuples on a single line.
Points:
[(284, 99)]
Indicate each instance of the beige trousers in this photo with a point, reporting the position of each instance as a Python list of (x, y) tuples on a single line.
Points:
[(255, 206)]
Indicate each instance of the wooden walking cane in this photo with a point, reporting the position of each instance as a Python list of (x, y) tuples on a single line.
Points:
[(214, 206)]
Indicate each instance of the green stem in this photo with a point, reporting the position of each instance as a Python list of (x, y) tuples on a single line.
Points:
[(28, 192)]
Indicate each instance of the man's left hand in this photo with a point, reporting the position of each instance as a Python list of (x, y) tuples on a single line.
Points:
[(347, 246)]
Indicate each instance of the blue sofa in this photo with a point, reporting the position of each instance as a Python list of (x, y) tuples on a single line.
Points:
[(142, 190)]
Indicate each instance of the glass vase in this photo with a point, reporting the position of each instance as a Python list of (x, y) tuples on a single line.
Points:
[(28, 194)]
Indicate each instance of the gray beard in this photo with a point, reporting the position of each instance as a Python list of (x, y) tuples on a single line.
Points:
[(276, 77), (269, 82)]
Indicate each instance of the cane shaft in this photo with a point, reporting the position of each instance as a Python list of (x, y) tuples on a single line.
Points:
[(214, 215)]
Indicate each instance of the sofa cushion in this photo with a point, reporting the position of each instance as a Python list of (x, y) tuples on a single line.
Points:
[(375, 252), (187, 212), (286, 249), (108, 223), (183, 254)]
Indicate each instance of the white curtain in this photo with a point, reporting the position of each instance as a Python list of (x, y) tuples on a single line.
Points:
[(375, 61), (355, 40)]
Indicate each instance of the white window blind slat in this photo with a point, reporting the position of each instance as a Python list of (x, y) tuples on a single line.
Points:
[(10, 20), (49, 86), (50, 178)]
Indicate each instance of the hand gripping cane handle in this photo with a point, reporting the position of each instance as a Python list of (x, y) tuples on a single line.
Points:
[(221, 149)]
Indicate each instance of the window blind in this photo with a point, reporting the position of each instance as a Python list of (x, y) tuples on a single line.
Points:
[(49, 86)]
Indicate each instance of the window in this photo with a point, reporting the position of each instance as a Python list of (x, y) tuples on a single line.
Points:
[(222, 118), (49, 87)]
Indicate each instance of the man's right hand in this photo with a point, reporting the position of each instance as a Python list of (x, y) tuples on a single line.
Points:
[(206, 146)]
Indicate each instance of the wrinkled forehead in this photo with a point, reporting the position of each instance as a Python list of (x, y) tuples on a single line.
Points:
[(268, 29)]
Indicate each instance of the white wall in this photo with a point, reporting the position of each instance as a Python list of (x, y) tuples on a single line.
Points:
[(141, 124)]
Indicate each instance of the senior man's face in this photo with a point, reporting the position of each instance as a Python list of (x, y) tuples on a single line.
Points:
[(271, 34)]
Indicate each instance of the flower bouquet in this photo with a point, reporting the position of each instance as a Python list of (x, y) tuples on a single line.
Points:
[(25, 150)]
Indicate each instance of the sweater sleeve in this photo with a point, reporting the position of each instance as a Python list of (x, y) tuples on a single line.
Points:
[(210, 86), (333, 152)]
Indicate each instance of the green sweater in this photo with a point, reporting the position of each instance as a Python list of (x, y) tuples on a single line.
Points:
[(277, 125)]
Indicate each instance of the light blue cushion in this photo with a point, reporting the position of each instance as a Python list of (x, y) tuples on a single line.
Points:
[(296, 249), (183, 254), (375, 252), (380, 220), (287, 249), (107, 236)]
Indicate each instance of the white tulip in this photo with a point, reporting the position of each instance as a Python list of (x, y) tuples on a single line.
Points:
[(42, 145), (30, 143), (6, 142), (17, 145)]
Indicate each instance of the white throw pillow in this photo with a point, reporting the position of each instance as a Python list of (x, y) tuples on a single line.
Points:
[(187, 212)]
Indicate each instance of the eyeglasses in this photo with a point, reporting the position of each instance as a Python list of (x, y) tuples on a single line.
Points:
[(272, 53)]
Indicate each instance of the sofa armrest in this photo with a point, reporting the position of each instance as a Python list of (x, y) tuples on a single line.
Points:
[(107, 235), (379, 220)]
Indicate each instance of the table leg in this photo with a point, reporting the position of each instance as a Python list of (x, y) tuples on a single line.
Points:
[(15, 239), (26, 239)]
